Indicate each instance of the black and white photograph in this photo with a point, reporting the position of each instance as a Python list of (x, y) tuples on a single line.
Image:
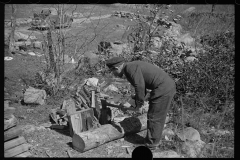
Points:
[(119, 80)]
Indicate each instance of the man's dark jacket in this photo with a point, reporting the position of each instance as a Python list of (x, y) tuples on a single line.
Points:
[(143, 75)]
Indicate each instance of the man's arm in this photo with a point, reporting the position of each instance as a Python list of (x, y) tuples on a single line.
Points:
[(134, 74)]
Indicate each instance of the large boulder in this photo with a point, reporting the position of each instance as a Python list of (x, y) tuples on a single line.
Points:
[(34, 96), (192, 145)]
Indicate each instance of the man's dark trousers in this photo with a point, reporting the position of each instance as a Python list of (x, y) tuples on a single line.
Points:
[(156, 115)]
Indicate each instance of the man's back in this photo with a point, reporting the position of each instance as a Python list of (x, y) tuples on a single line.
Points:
[(154, 77)]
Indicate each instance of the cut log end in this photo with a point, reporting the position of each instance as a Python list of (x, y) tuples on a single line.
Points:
[(78, 143)]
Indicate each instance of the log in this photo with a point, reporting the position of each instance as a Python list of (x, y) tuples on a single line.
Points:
[(15, 142), (17, 150), (91, 139), (10, 122), (12, 133), (24, 154)]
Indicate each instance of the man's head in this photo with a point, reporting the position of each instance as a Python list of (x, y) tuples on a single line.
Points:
[(115, 64)]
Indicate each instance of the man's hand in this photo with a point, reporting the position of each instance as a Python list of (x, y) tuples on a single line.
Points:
[(127, 106)]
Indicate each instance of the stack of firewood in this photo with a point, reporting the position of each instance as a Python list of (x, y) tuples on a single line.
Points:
[(14, 144)]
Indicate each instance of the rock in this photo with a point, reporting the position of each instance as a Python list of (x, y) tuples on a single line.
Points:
[(22, 36), (92, 82), (156, 41), (35, 96), (37, 44), (117, 48), (8, 58), (189, 134), (32, 53), (168, 134), (166, 154), (187, 39), (193, 149), (191, 9), (175, 28), (68, 59), (92, 57), (111, 88), (190, 59), (22, 43), (192, 145)]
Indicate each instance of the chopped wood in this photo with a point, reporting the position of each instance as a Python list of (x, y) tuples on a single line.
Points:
[(12, 133), (15, 142), (81, 121), (70, 106), (93, 99), (24, 154), (10, 122), (16, 150), (90, 139)]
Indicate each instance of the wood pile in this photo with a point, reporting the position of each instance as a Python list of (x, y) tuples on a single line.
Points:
[(80, 112), (14, 144)]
